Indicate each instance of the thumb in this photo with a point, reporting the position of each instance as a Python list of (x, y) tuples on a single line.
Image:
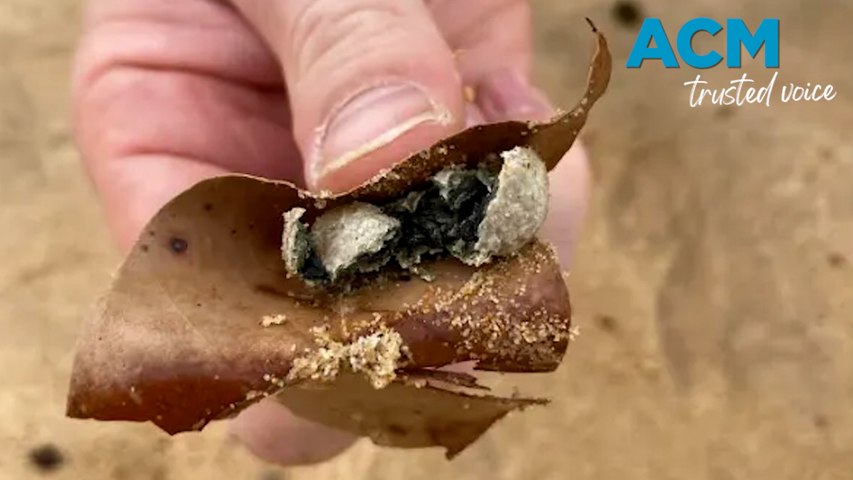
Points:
[(369, 81)]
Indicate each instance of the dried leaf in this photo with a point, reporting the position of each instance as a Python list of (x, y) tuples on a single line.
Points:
[(403, 415), (177, 340)]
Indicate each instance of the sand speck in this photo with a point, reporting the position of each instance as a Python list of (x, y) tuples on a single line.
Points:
[(270, 320)]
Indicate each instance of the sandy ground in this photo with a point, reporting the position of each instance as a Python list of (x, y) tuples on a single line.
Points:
[(712, 286)]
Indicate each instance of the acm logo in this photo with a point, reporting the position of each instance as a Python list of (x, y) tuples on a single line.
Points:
[(653, 44)]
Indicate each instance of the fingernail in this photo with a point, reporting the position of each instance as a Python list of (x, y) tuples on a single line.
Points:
[(508, 95), (369, 120)]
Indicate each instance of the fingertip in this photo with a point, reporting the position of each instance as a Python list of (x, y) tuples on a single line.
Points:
[(131, 195), (507, 94), (473, 116), (570, 185), (274, 434)]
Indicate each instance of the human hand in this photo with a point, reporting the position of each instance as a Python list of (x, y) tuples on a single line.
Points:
[(323, 93)]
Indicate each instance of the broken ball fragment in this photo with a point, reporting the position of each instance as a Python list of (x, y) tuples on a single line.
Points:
[(473, 214), (179, 340)]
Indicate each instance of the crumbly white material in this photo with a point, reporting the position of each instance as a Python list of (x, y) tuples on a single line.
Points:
[(444, 179), (376, 355), (294, 249), (270, 320), (518, 208), (346, 233)]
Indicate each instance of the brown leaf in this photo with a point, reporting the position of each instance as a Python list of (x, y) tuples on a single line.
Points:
[(402, 415), (177, 340)]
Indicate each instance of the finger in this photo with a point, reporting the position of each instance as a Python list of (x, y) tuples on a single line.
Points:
[(473, 116), (485, 35), (131, 109), (273, 433), (132, 196), (508, 95), (570, 189), (193, 35), (370, 82), (492, 41), (167, 94)]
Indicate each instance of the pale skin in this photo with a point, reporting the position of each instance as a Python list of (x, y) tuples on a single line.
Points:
[(324, 93)]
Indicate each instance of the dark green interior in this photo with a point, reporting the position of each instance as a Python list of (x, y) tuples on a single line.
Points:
[(441, 219)]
